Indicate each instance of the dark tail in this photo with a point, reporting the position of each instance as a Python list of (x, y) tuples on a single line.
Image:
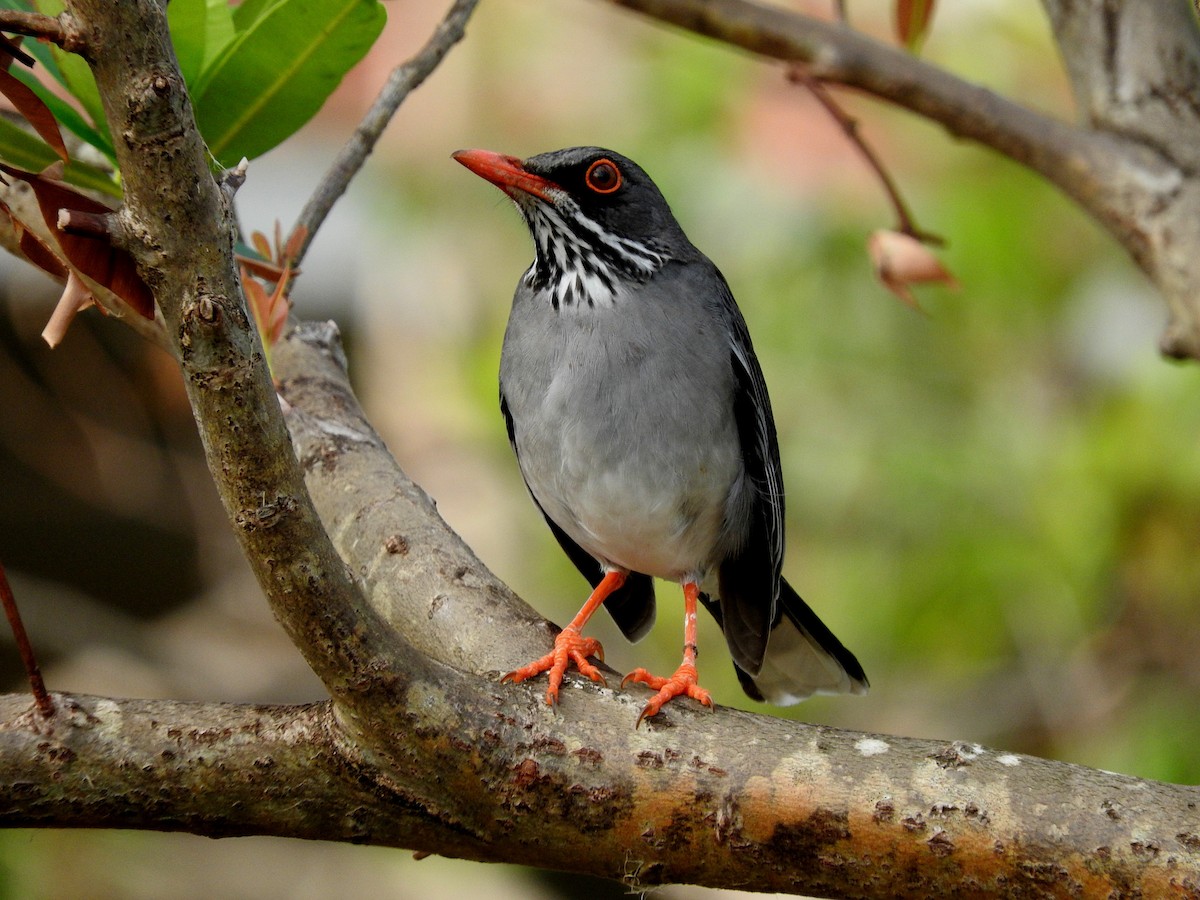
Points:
[(803, 658)]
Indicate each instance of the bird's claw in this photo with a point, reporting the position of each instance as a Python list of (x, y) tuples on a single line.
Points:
[(682, 682), (569, 647)]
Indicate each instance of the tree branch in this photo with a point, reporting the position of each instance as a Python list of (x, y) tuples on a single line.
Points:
[(421, 747), (403, 80), (836, 53), (1134, 69), (724, 799), (413, 567), (58, 30), (1140, 186), (450, 761), (905, 223), (181, 234)]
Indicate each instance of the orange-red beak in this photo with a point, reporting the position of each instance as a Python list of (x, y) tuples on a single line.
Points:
[(506, 172)]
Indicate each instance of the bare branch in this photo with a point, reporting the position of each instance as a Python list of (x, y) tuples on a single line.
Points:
[(905, 222), (724, 799), (418, 574), (1134, 69), (836, 53), (403, 80), (58, 30)]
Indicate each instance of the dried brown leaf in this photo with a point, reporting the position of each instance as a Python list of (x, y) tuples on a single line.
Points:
[(900, 260), (93, 255), (35, 249)]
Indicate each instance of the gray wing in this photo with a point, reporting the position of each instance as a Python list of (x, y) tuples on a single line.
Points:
[(632, 605), (748, 580), (805, 657)]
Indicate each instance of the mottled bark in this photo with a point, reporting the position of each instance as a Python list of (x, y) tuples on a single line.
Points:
[(450, 761), (177, 223)]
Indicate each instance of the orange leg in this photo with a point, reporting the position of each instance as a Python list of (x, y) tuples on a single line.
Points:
[(571, 646), (684, 680)]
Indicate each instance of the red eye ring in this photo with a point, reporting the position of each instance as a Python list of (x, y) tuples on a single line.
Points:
[(603, 176)]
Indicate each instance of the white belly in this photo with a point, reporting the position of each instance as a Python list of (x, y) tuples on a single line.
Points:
[(658, 519)]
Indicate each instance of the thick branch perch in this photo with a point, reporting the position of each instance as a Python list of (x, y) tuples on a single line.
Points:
[(451, 762), (725, 799), (421, 747)]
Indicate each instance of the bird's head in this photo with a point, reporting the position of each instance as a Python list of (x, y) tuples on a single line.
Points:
[(597, 220)]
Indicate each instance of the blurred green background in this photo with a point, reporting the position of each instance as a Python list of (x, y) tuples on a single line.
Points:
[(996, 504)]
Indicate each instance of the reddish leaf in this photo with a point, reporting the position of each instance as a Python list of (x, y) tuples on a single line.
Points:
[(913, 18), (260, 307), (93, 255), (280, 307), (262, 245), (294, 242), (34, 249), (36, 112), (264, 269), (270, 311), (256, 296)]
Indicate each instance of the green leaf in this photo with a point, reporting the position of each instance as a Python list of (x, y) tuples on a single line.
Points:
[(76, 76), (200, 31), (81, 84), (280, 70), (23, 150), (250, 11)]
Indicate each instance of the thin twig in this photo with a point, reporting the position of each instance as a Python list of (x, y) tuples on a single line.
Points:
[(54, 29), (76, 221), (41, 698), (906, 224), (400, 83)]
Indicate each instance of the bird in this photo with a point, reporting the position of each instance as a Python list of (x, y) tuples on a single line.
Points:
[(640, 420)]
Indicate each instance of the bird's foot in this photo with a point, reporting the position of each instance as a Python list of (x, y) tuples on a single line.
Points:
[(681, 683), (569, 646)]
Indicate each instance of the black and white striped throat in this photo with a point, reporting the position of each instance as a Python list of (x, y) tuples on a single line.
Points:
[(580, 264)]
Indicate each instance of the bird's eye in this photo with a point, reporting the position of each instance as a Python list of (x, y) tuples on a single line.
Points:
[(603, 176)]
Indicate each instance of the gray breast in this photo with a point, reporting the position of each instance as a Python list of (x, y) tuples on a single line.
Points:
[(623, 423)]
